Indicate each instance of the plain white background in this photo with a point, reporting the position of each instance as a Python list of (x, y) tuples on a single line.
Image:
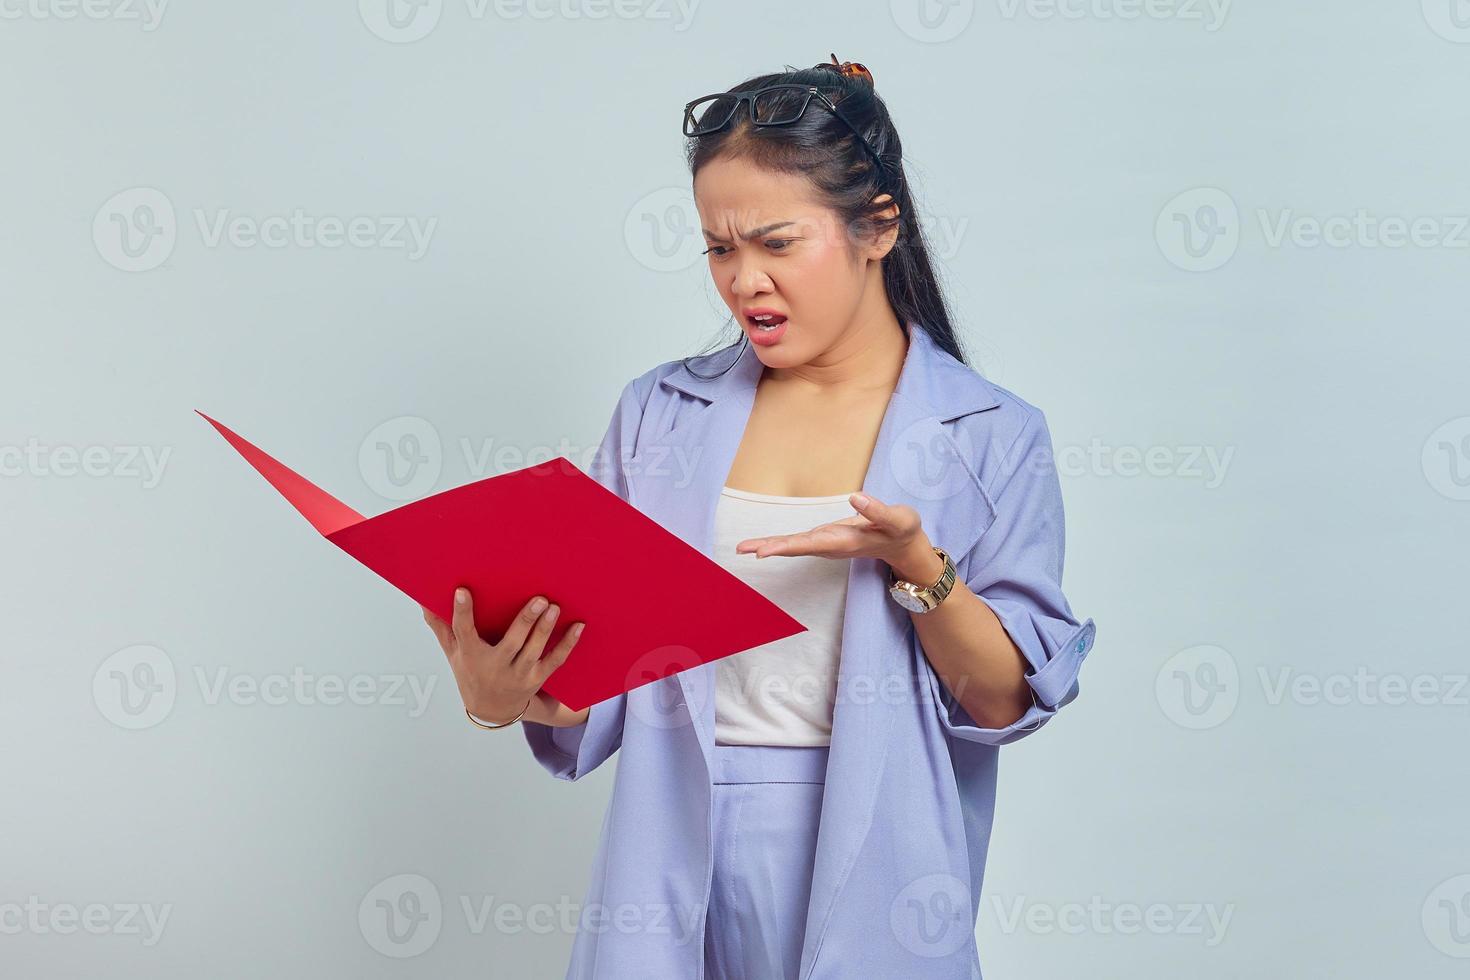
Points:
[(1223, 248)]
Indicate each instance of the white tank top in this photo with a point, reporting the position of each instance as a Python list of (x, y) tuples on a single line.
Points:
[(782, 692)]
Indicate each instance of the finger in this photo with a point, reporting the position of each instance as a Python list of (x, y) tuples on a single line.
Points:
[(558, 655), (843, 538), (873, 509), (466, 638), (515, 634), (442, 632), (830, 540), (530, 650), (787, 544)]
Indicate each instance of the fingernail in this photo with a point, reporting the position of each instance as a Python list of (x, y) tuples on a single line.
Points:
[(577, 630), (861, 499), (460, 595), (538, 604)]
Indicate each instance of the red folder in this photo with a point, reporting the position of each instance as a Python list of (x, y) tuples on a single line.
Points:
[(653, 604)]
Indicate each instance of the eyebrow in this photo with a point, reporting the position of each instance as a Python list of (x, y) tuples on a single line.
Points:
[(750, 234)]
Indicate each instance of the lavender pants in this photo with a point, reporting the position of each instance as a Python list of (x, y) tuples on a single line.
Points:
[(767, 802)]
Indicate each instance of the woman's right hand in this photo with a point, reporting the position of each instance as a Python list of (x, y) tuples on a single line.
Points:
[(497, 680)]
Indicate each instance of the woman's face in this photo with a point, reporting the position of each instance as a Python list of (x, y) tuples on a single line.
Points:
[(802, 266)]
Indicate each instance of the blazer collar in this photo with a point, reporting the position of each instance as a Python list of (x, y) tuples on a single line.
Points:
[(932, 378)]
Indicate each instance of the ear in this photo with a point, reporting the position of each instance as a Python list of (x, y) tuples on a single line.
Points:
[(883, 243)]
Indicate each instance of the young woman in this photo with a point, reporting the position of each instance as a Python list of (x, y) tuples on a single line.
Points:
[(819, 806)]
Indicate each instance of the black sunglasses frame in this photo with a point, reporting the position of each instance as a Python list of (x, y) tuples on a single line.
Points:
[(691, 129)]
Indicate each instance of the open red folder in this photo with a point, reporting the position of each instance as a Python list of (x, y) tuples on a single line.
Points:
[(654, 605)]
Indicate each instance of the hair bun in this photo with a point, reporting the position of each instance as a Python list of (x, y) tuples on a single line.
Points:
[(850, 69)]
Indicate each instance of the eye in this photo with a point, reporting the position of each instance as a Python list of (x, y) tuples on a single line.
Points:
[(771, 243), (712, 248)]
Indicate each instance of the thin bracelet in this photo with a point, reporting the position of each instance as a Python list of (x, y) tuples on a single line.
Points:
[(506, 725)]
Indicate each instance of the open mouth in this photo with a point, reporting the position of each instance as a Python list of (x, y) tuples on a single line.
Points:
[(766, 321)]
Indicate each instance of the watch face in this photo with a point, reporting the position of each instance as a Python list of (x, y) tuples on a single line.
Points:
[(907, 599)]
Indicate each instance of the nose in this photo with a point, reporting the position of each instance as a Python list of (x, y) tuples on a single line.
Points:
[(749, 278)]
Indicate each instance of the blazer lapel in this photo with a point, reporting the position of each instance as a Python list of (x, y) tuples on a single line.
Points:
[(676, 480), (919, 460)]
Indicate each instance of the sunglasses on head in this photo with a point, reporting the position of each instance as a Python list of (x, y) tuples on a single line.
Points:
[(775, 105)]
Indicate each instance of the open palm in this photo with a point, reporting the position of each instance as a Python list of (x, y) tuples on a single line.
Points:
[(878, 530)]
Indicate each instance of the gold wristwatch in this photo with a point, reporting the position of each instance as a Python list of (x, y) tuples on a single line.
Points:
[(922, 599)]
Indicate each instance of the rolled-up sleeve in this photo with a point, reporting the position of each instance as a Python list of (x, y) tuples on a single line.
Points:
[(572, 752), (1016, 569)]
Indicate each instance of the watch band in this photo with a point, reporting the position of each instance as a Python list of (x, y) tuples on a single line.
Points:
[(922, 599)]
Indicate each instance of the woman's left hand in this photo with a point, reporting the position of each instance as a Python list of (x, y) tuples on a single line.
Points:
[(878, 530)]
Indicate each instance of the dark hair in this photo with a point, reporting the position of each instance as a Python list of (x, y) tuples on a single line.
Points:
[(846, 180)]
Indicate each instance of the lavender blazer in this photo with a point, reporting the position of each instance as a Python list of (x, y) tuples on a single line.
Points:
[(910, 790)]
